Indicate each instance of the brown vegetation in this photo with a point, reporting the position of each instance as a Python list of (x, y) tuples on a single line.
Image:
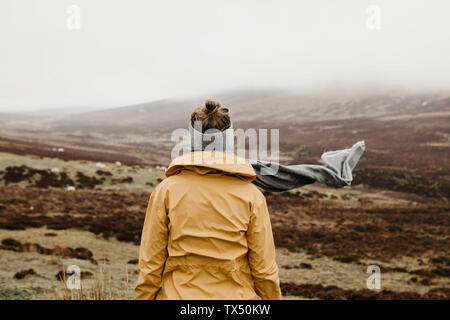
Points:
[(318, 291), (78, 253)]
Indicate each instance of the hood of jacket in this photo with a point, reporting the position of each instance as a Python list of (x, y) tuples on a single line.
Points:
[(205, 162)]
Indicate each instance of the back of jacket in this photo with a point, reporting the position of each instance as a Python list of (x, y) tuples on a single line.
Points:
[(207, 235)]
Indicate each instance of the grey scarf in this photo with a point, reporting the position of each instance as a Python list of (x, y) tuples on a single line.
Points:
[(336, 171)]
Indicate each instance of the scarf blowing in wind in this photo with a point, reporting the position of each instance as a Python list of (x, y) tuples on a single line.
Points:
[(336, 171)]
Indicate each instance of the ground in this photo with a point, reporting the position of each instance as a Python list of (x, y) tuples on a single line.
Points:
[(325, 238)]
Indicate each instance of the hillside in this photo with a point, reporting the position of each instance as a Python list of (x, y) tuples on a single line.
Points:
[(260, 106)]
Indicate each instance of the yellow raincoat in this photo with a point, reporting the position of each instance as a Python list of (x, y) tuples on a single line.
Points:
[(207, 233)]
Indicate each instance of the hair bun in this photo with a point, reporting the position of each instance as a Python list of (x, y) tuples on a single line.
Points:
[(211, 106), (212, 116)]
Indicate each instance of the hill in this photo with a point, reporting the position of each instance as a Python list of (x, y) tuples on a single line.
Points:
[(260, 106)]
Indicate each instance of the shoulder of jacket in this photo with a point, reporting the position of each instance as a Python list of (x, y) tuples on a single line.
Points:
[(257, 193), (163, 185)]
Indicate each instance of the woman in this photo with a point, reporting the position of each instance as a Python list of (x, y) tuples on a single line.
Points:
[(207, 231)]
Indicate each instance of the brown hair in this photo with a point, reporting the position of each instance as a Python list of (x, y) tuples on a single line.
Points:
[(212, 116)]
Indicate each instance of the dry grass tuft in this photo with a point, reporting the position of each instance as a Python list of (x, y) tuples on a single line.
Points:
[(98, 289)]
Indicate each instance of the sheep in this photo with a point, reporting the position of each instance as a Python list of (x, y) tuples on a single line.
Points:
[(100, 165)]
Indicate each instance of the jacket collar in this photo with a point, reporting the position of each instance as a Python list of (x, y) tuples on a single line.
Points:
[(209, 161)]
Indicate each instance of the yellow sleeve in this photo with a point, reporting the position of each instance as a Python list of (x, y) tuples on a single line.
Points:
[(261, 252), (153, 250)]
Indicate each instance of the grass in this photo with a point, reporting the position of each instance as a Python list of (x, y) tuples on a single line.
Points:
[(114, 279), (112, 257), (143, 178), (98, 289)]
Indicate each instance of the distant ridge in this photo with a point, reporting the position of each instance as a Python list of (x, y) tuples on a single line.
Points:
[(250, 106)]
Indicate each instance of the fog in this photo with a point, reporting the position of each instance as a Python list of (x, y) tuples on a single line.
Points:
[(123, 52)]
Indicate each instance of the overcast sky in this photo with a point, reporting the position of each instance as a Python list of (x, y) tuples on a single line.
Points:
[(130, 51)]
